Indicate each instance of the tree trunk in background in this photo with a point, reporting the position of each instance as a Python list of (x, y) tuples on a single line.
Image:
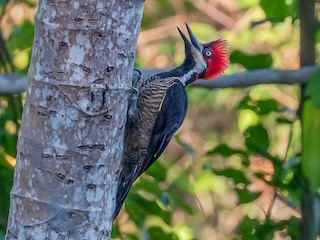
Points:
[(71, 138), (310, 201)]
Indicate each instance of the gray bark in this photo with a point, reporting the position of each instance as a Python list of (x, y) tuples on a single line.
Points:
[(71, 138)]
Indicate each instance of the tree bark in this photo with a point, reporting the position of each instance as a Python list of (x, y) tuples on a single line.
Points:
[(71, 139), (310, 201)]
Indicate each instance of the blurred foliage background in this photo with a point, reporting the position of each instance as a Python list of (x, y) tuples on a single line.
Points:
[(233, 170)]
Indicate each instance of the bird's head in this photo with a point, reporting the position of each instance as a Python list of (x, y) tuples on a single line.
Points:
[(208, 60)]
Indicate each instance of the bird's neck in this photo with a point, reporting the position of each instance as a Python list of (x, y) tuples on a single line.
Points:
[(185, 72)]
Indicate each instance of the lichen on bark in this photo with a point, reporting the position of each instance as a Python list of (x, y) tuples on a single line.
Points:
[(71, 139)]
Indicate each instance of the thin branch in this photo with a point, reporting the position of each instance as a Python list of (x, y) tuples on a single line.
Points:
[(262, 76), (251, 78), (14, 83)]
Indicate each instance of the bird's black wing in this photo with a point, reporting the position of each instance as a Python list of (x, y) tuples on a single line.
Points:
[(171, 115)]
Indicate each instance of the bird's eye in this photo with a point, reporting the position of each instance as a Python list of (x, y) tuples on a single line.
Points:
[(208, 53)]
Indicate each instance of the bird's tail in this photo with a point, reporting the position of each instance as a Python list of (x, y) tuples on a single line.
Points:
[(125, 182)]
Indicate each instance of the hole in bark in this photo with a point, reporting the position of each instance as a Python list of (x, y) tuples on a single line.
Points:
[(83, 147), (70, 214), (92, 95), (107, 117), (61, 156), (60, 176), (46, 155), (63, 44), (98, 147), (85, 69), (70, 181), (87, 167), (92, 147), (109, 69), (121, 55), (91, 19), (53, 112), (78, 19), (88, 108), (98, 81), (91, 186), (42, 114), (101, 166), (100, 34), (105, 233)]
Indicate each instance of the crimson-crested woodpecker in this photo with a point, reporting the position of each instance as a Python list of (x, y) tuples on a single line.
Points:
[(159, 106)]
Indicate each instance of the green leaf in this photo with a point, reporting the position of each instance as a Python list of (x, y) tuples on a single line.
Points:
[(6, 175), (22, 37), (310, 144), (278, 10), (130, 236), (180, 202), (139, 208), (245, 196), (158, 171), (247, 228), (186, 147), (246, 103), (29, 3), (237, 175), (1, 235), (256, 139), (313, 88), (158, 233), (266, 106), (260, 107), (251, 61), (247, 3), (226, 151), (292, 227), (252, 229), (3, 2), (182, 182), (247, 118), (147, 185)]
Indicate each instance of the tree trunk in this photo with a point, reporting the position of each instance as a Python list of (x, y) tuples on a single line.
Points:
[(310, 201), (71, 139)]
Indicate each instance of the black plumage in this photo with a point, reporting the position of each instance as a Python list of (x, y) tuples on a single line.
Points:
[(157, 109)]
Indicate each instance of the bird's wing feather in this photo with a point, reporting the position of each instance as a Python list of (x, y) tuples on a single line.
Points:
[(171, 115), (172, 111)]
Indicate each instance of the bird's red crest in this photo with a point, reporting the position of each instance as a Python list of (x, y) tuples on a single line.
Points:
[(219, 60)]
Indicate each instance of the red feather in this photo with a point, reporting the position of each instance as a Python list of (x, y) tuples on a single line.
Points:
[(219, 60)]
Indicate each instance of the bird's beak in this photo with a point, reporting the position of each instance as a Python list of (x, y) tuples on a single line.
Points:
[(187, 43), (194, 40), (193, 46)]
